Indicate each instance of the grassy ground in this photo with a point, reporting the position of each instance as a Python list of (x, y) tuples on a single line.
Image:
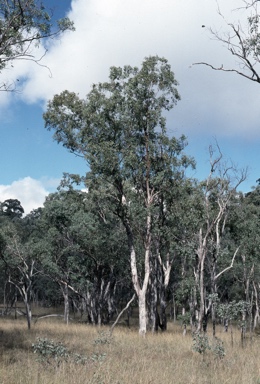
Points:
[(158, 359)]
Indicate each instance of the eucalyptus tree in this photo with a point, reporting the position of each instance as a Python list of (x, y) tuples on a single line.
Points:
[(60, 252), (101, 239), (23, 24), (19, 257), (11, 208), (120, 130), (172, 230), (245, 228), (218, 194), (83, 254)]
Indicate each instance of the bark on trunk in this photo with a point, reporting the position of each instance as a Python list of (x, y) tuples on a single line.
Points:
[(65, 292), (26, 300), (28, 314), (142, 313), (257, 314), (140, 292)]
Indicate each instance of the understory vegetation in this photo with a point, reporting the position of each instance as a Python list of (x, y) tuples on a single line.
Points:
[(92, 356)]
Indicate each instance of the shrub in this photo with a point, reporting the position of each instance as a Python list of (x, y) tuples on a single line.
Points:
[(50, 351)]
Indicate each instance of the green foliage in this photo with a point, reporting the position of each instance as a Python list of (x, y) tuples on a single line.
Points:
[(134, 166), (50, 352), (138, 198), (218, 348), (232, 310), (185, 319), (11, 208), (200, 343), (114, 125), (23, 24)]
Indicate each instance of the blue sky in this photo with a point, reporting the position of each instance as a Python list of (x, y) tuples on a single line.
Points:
[(214, 105)]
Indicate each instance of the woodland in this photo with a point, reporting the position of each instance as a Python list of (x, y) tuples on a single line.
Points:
[(135, 244), (135, 231), (142, 230)]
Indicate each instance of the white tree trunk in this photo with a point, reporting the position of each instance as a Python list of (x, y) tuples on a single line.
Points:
[(140, 292), (142, 313)]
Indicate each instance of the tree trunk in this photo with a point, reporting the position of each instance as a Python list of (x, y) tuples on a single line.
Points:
[(201, 253), (163, 323), (213, 316), (142, 313), (257, 315), (28, 314), (25, 293), (65, 292), (26, 300), (193, 304), (164, 270), (141, 292), (152, 307)]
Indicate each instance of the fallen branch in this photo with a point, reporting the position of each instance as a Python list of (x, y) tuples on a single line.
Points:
[(43, 317)]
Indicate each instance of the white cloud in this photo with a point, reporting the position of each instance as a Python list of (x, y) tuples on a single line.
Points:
[(30, 192), (114, 32)]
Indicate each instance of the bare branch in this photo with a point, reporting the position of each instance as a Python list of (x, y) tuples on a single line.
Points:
[(230, 266), (245, 46), (120, 314), (221, 68), (45, 316)]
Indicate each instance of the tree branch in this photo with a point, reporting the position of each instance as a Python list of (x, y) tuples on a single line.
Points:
[(121, 313), (243, 45), (226, 269), (257, 80)]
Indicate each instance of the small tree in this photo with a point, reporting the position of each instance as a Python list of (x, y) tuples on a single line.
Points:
[(234, 311), (19, 260)]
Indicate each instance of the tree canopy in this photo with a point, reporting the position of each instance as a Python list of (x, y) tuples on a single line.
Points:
[(120, 130), (23, 24)]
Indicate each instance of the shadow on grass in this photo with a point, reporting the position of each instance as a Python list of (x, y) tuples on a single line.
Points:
[(12, 339)]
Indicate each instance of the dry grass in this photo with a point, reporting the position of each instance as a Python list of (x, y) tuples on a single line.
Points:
[(158, 359)]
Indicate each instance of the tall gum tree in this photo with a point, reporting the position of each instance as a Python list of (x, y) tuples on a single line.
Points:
[(120, 130)]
